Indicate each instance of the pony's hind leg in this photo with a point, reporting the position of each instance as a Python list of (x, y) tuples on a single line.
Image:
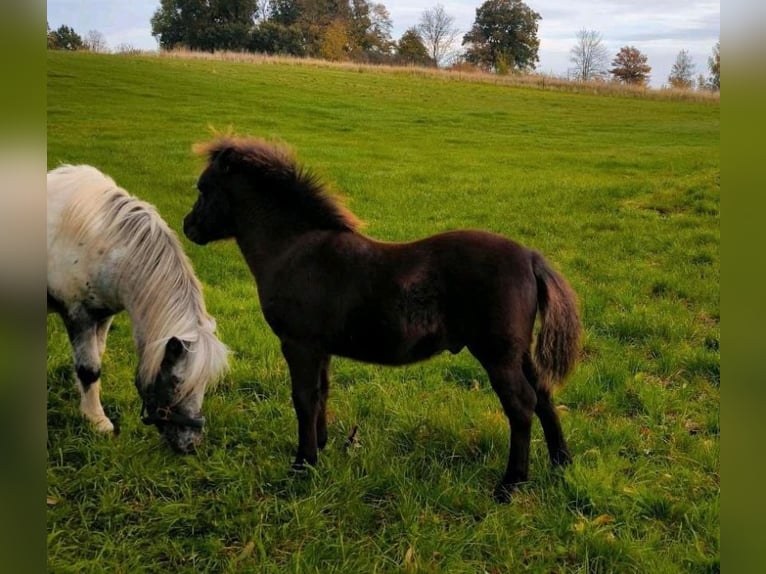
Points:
[(518, 399), (549, 418), (88, 339)]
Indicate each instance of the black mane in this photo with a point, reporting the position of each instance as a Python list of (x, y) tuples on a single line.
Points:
[(295, 187)]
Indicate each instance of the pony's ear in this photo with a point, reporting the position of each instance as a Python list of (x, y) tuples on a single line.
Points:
[(173, 350), (225, 158)]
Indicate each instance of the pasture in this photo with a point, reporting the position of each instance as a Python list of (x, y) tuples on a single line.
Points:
[(622, 195)]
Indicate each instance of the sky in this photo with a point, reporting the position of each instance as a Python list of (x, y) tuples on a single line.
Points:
[(660, 29)]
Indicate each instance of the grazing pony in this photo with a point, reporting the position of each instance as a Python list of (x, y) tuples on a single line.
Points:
[(326, 289), (108, 251)]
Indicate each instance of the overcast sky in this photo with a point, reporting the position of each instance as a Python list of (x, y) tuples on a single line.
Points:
[(659, 28)]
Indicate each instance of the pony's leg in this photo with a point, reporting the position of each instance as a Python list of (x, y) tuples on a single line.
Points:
[(324, 388), (102, 330), (549, 418), (518, 399), (305, 366), (88, 339)]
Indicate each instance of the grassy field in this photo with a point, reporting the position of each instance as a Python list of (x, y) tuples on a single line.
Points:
[(621, 194)]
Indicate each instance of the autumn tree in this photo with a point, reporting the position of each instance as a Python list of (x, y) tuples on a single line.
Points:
[(504, 35), (589, 56), (682, 73), (630, 67), (411, 49), (437, 32), (335, 44)]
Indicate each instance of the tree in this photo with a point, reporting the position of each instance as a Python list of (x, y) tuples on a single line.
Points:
[(714, 64), (412, 50), (204, 24), (65, 38), (95, 42), (503, 35), (270, 37), (589, 56), (437, 32), (371, 26), (336, 43), (285, 12), (379, 33), (630, 66), (682, 72), (314, 17)]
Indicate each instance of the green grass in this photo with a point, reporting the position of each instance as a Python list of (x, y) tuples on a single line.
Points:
[(621, 194)]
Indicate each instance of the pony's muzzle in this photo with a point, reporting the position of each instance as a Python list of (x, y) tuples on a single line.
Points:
[(182, 432), (182, 439), (191, 231)]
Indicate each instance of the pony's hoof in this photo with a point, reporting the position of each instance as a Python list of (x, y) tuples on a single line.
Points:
[(561, 458), (104, 425), (504, 493)]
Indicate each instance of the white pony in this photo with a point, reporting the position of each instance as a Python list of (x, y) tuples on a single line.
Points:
[(108, 251)]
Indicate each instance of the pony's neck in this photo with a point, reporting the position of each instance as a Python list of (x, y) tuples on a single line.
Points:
[(158, 312), (265, 234)]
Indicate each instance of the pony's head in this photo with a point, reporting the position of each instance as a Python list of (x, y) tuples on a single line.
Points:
[(172, 397), (241, 169)]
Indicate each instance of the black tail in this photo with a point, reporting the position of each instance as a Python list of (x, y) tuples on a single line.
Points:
[(558, 341)]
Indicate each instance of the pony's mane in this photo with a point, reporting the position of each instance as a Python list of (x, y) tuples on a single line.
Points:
[(155, 278), (301, 189)]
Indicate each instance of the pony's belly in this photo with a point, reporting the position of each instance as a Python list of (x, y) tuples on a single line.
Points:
[(377, 347), (71, 279)]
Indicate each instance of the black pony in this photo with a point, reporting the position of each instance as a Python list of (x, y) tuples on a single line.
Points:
[(326, 289)]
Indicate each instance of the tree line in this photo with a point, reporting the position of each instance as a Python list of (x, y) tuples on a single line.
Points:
[(629, 66), (65, 38), (502, 39)]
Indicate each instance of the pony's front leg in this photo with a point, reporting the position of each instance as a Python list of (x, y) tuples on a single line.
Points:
[(88, 339), (305, 369), (324, 389)]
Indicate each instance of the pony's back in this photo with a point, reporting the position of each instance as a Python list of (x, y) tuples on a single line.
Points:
[(75, 196), (69, 181), (76, 176)]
